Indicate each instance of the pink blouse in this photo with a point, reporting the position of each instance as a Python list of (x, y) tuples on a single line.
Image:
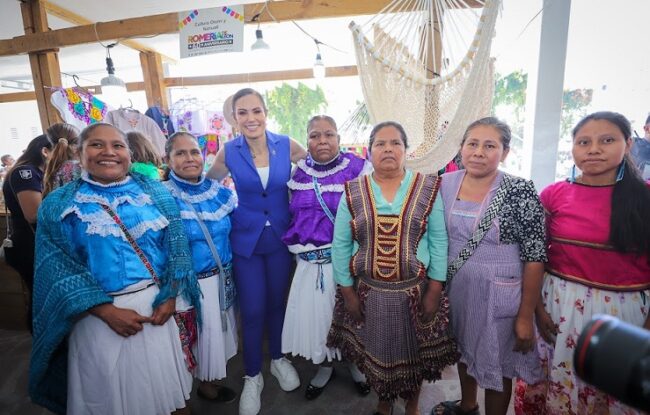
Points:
[(578, 230)]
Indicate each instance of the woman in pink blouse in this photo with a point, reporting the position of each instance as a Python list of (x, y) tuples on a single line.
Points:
[(599, 262)]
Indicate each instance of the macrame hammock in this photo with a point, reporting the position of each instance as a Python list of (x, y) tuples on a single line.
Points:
[(426, 64)]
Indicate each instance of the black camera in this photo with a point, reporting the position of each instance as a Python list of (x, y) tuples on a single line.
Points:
[(614, 356)]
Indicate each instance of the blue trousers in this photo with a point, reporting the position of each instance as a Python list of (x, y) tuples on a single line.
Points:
[(262, 282)]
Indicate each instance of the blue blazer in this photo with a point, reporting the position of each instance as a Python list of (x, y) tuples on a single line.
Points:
[(257, 205)]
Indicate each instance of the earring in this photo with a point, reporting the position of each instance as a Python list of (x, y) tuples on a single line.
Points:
[(572, 179), (621, 171)]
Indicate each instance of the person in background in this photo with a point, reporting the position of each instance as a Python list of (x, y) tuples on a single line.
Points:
[(389, 255), (206, 205), (316, 188), (598, 263), (259, 162), (22, 190), (144, 156), (111, 259), (492, 295), (63, 164), (6, 162), (640, 152)]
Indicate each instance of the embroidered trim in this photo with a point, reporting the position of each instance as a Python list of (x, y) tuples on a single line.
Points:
[(333, 188), (102, 224), (302, 165), (141, 200), (86, 177), (211, 192)]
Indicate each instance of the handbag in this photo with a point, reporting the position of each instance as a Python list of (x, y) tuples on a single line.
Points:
[(186, 319), (227, 291)]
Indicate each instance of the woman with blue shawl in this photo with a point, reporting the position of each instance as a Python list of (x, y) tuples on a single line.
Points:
[(205, 207), (111, 258)]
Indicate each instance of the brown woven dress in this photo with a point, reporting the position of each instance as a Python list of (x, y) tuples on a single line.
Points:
[(392, 347)]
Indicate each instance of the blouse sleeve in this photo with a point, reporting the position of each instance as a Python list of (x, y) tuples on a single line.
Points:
[(529, 221), (438, 242), (342, 245)]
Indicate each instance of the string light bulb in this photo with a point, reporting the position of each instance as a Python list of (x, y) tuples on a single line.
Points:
[(319, 67), (113, 88), (259, 44)]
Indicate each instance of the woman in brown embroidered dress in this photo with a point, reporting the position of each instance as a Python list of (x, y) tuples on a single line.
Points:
[(389, 259)]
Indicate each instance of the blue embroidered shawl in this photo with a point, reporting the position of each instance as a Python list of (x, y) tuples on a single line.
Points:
[(64, 287)]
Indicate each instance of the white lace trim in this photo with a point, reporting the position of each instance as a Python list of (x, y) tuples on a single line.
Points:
[(197, 198), (102, 224), (320, 174), (86, 177), (334, 188), (141, 200)]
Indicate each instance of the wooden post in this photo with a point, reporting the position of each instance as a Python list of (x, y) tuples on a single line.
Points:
[(44, 64), (154, 80)]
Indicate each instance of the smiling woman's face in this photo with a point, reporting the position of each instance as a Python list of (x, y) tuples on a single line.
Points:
[(105, 155), (388, 152)]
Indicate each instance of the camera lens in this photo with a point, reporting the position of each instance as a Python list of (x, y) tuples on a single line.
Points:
[(615, 357)]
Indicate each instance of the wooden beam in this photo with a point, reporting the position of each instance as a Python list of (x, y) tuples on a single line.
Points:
[(168, 23), (44, 64), (244, 78), (71, 17), (335, 71), (154, 86)]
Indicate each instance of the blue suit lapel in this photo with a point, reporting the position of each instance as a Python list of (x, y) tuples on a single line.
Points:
[(245, 152), (271, 143)]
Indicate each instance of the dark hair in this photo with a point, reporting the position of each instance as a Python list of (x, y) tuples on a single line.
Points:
[(384, 124), (322, 117), (169, 146), (86, 132), (64, 137), (142, 149), (247, 91), (647, 120), (630, 219), (502, 128), (33, 154)]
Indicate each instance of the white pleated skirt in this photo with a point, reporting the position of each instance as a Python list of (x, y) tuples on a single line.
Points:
[(214, 346), (144, 374), (309, 313)]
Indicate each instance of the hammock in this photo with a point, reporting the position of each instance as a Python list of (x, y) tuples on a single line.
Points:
[(426, 64)]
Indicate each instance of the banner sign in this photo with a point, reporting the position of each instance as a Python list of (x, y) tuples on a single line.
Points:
[(215, 30)]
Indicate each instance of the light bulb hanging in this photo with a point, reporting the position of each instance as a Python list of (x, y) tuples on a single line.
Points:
[(319, 67), (113, 88), (259, 44)]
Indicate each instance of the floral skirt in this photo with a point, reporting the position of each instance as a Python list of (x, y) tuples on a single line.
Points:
[(571, 305)]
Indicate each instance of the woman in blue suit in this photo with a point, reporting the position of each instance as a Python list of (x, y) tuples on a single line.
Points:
[(259, 162)]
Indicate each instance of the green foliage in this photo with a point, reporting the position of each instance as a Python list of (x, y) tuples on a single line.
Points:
[(291, 107)]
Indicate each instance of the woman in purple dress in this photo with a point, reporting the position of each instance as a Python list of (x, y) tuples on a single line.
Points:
[(316, 189), (493, 294)]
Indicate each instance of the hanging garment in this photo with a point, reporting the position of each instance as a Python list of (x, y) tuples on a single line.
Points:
[(78, 107), (135, 121)]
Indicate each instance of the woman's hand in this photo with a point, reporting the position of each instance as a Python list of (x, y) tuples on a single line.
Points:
[(352, 303), (524, 334), (430, 300), (547, 328), (122, 321), (162, 313)]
